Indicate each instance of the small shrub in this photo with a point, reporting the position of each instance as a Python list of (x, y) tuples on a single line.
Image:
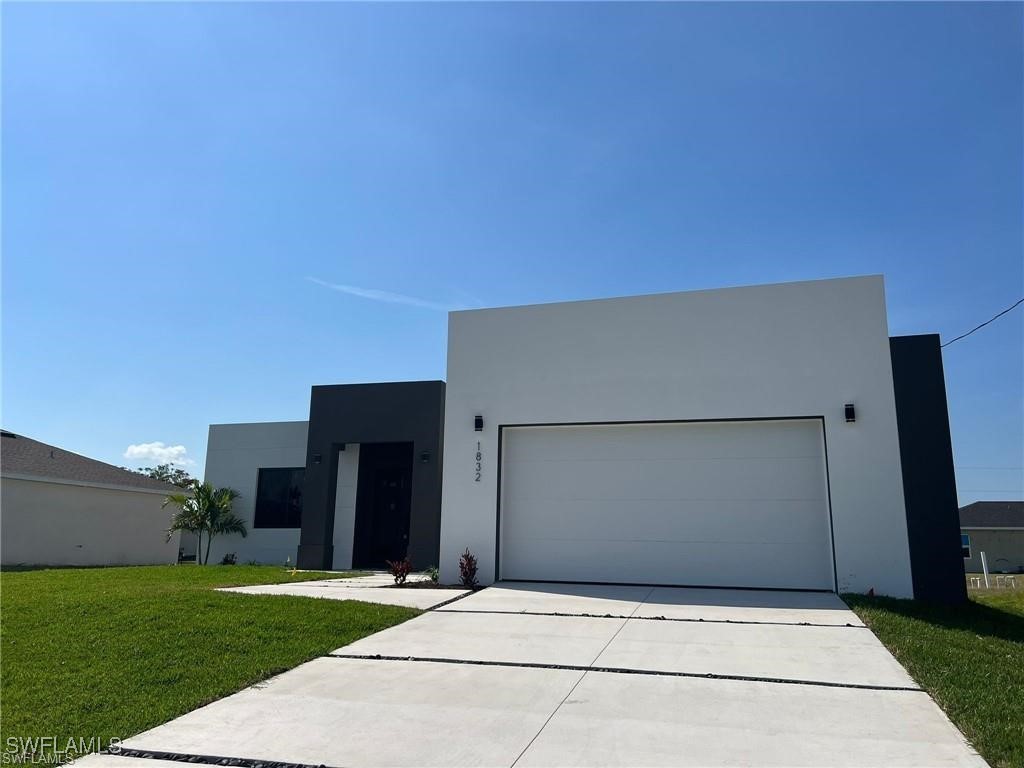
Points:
[(229, 559), (400, 569), (467, 569), (433, 574)]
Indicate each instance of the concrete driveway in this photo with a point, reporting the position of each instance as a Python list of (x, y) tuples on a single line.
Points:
[(567, 675)]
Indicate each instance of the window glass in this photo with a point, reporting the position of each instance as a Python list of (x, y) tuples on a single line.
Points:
[(279, 498), (965, 546)]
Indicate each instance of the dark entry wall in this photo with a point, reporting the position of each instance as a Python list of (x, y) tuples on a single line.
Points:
[(399, 412), (926, 455)]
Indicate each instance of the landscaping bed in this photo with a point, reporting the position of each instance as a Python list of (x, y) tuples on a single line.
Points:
[(969, 657), (96, 653)]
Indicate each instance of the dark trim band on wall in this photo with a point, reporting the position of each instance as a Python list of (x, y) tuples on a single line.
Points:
[(722, 420), (828, 495), (497, 514), (926, 463), (731, 420), (390, 412)]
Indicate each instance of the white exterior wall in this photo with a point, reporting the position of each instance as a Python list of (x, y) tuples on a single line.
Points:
[(345, 506), (63, 523), (787, 350), (234, 455)]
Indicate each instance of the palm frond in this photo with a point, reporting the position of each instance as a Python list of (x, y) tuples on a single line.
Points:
[(178, 499), (231, 524)]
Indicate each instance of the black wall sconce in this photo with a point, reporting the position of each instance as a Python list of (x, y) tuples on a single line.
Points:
[(478, 423), (425, 457), (317, 458), (851, 413)]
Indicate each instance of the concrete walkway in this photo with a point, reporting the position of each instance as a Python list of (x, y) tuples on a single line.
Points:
[(374, 588), (575, 675)]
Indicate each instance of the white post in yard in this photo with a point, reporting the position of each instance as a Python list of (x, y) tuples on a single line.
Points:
[(984, 568)]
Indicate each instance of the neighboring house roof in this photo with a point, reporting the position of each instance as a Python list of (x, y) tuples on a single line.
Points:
[(22, 456), (993, 514)]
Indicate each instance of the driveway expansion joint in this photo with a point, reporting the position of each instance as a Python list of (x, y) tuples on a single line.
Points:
[(451, 600), (576, 684), (625, 671), (194, 759), (440, 609)]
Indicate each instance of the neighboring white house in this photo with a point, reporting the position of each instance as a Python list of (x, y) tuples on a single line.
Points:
[(695, 438), (60, 508)]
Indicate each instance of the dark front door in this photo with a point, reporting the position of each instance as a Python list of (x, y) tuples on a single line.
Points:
[(383, 501)]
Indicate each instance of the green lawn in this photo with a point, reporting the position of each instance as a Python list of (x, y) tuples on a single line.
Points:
[(970, 658), (109, 652)]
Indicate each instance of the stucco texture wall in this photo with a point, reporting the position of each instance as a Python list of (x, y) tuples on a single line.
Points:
[(44, 523), (234, 455)]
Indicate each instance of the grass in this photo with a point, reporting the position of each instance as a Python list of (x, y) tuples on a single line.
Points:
[(107, 652), (970, 658)]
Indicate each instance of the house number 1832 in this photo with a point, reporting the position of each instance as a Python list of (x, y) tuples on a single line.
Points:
[(478, 467)]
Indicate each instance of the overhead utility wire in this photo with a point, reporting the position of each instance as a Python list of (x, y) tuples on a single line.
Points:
[(965, 335)]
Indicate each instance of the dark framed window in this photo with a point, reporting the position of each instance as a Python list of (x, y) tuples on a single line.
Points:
[(279, 498), (965, 546)]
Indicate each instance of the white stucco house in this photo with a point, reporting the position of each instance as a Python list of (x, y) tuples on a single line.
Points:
[(61, 508), (762, 437), (765, 437)]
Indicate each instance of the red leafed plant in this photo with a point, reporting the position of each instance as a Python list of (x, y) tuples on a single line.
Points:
[(467, 569), (400, 569)]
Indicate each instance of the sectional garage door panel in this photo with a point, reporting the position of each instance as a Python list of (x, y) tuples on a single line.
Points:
[(718, 504)]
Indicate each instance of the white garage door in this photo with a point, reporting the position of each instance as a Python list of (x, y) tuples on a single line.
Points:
[(716, 504)]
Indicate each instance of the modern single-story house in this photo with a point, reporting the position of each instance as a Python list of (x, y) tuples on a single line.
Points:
[(765, 437), (997, 529), (356, 485), (60, 508)]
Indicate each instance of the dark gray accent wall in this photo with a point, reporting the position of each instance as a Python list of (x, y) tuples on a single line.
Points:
[(926, 454), (411, 411)]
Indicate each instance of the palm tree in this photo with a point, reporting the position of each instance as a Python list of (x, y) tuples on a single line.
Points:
[(205, 509), (187, 517), (221, 519)]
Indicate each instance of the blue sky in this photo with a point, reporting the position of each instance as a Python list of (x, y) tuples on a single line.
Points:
[(183, 184)]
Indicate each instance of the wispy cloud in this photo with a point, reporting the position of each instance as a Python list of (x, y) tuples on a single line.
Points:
[(388, 297), (469, 300), (159, 453)]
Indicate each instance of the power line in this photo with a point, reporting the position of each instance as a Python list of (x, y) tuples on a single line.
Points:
[(990, 490), (965, 335), (1002, 469)]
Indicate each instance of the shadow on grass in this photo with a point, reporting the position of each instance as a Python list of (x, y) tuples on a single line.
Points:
[(972, 617)]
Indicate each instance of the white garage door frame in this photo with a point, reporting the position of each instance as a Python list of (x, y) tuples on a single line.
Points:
[(828, 490)]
